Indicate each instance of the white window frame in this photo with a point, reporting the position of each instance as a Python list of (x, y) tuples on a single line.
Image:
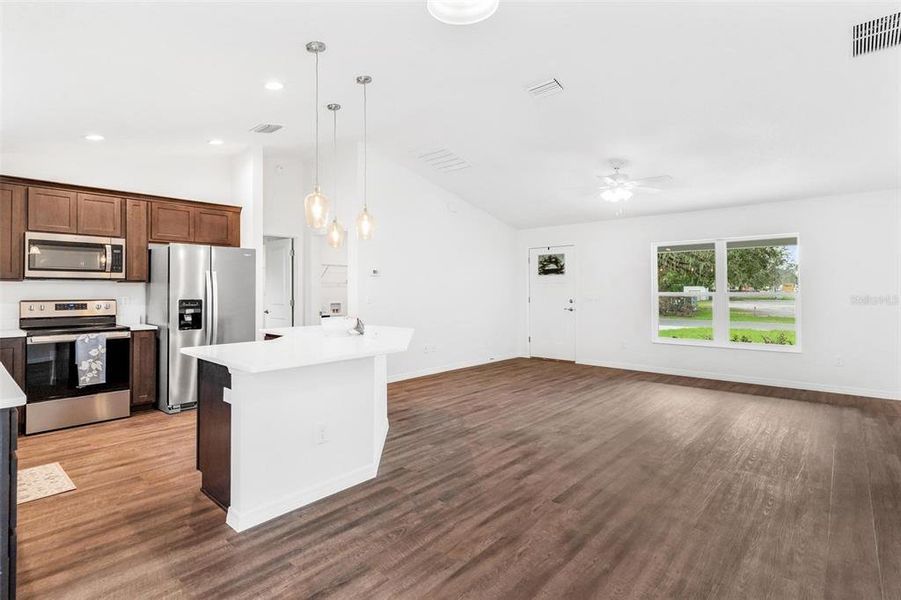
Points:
[(721, 297)]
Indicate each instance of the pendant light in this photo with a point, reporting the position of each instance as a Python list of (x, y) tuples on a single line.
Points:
[(315, 205), (335, 233), (365, 222)]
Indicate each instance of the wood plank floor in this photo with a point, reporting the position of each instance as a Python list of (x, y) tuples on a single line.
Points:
[(520, 479)]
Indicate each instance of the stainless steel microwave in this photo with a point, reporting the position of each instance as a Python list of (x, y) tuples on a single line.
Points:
[(66, 256)]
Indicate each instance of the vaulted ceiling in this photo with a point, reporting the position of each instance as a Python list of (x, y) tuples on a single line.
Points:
[(739, 102)]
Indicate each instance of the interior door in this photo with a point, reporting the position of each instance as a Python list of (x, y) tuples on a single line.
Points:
[(552, 302), (278, 291), (233, 315)]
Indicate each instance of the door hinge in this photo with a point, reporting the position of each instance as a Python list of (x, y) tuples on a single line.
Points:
[(529, 299), (292, 252), (292, 303), (530, 339)]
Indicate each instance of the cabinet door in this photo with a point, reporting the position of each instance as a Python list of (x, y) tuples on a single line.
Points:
[(52, 210), (218, 227), (143, 368), (171, 222), (99, 215), (136, 259), (12, 356), (12, 231)]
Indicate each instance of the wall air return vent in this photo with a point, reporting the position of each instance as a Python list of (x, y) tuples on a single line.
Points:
[(876, 34), (545, 88), (442, 159), (266, 128)]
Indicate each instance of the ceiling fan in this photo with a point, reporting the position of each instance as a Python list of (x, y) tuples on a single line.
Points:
[(619, 187)]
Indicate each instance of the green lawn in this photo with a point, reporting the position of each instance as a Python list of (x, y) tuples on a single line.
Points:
[(705, 313), (750, 336)]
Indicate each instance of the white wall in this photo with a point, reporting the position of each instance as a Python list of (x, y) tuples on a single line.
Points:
[(849, 247), (191, 177), (446, 269), (247, 187), (284, 180)]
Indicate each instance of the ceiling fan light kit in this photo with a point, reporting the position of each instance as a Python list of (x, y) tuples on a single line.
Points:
[(619, 187), (462, 12)]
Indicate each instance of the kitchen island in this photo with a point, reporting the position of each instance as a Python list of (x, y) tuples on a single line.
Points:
[(284, 422)]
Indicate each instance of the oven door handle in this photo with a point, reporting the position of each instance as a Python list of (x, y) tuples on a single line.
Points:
[(71, 337)]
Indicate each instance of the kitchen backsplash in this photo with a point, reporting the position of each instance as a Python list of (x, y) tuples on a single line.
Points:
[(129, 296)]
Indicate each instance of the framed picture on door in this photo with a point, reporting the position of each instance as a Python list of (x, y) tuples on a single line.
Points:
[(551, 264)]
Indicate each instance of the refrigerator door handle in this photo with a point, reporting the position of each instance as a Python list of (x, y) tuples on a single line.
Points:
[(208, 310), (215, 315)]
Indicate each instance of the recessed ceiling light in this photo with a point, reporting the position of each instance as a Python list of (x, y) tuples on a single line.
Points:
[(215, 142), (274, 85), (94, 137), (462, 12)]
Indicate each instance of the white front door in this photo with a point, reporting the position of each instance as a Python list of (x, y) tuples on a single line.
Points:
[(552, 302), (278, 296)]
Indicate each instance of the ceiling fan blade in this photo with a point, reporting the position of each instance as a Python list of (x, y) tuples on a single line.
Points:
[(642, 188), (658, 181), (607, 180)]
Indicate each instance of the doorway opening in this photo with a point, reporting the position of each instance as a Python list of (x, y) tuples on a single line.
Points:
[(278, 289), (552, 302)]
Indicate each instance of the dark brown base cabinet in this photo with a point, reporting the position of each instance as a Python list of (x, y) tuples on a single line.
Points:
[(214, 425), (143, 369), (8, 467), (12, 356)]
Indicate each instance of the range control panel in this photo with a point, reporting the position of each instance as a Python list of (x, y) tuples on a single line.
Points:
[(190, 314), (66, 308)]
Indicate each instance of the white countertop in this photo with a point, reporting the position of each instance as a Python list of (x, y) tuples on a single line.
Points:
[(141, 326), (11, 333), (303, 347), (10, 394)]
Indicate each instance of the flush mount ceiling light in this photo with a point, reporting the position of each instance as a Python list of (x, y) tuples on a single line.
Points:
[(215, 142), (274, 85), (461, 12), (94, 137), (316, 203)]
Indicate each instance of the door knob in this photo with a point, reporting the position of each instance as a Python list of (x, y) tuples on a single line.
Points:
[(570, 309), (265, 312)]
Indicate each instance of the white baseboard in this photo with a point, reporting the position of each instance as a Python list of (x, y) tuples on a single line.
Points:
[(795, 385), (448, 367), (241, 521)]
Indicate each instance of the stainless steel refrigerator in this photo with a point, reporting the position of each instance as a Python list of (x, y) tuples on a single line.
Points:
[(197, 296)]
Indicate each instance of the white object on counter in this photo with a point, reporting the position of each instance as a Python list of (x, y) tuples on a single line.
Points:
[(11, 395), (309, 415)]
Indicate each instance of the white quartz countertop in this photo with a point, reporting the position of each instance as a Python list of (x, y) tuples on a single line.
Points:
[(141, 326), (303, 347), (11, 333), (10, 394)]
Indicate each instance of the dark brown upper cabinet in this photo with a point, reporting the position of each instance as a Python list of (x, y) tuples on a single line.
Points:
[(136, 230), (217, 227), (99, 215), (171, 222), (52, 210), (12, 231)]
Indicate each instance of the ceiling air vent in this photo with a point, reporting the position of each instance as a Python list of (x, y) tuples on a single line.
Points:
[(442, 159), (266, 128), (545, 88), (876, 34)]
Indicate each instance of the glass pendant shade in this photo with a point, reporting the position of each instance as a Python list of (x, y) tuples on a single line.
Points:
[(365, 225), (617, 194), (335, 234), (316, 207)]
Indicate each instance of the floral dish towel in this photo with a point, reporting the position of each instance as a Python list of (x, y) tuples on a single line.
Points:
[(90, 358)]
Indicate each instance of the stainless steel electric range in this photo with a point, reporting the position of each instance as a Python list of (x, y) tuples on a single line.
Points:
[(56, 396)]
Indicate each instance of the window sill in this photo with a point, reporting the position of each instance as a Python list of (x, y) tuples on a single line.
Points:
[(790, 349)]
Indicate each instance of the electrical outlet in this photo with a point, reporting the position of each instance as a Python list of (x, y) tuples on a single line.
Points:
[(839, 361), (321, 433)]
